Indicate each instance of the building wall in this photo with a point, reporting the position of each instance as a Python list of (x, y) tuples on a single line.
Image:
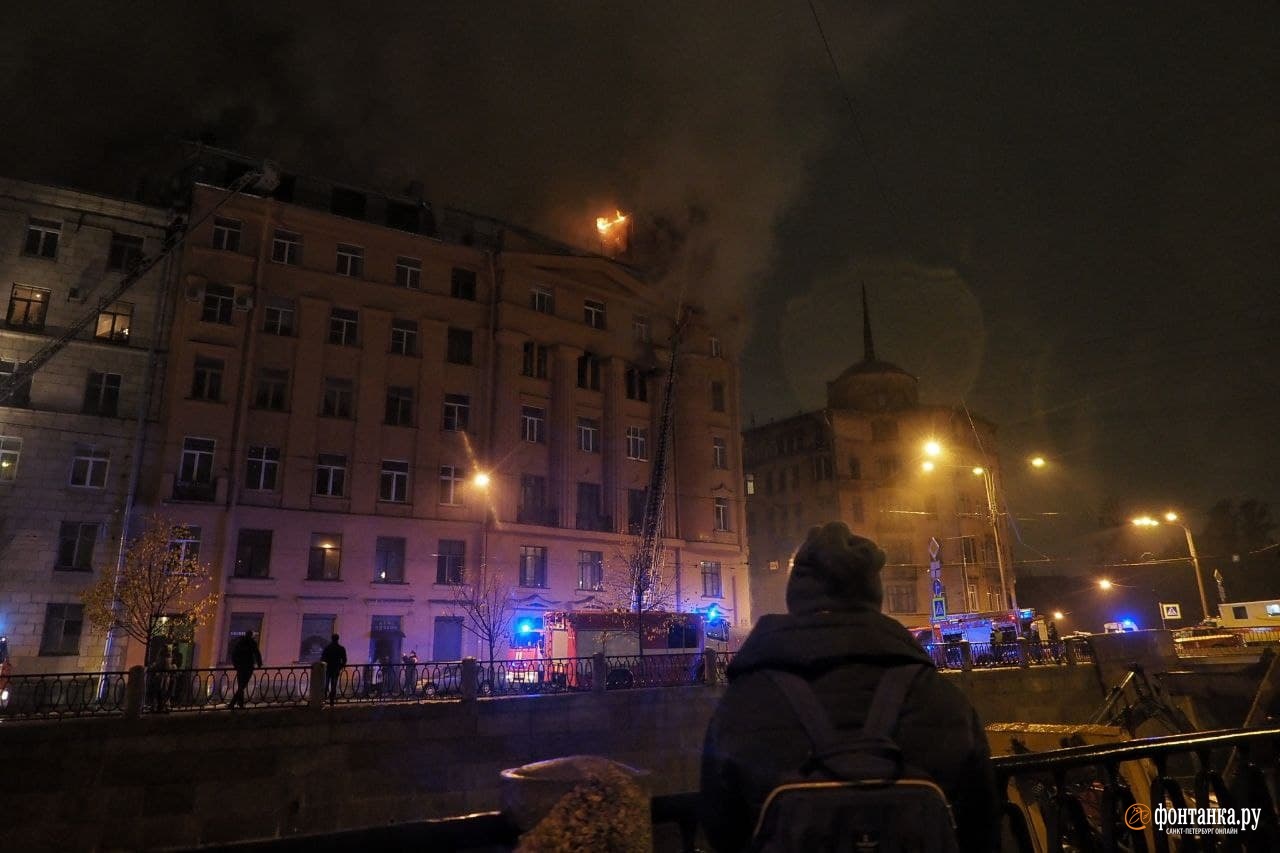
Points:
[(864, 468), (492, 523), (37, 492)]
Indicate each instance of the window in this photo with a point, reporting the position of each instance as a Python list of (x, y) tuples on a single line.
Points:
[(717, 351), (219, 301), (226, 234), (62, 626), (640, 328), (593, 313), (591, 570), (286, 247), (717, 396), (637, 443), (532, 507), (457, 412), (823, 468), (21, 395), (75, 545), (451, 561), (404, 337), (636, 385), (711, 587), (388, 560), (462, 284), (591, 508), (900, 597), (278, 318), (237, 625), (533, 424), (113, 323), (28, 307), (253, 554), (350, 261), (271, 389), (331, 475), (751, 484), (535, 360), (102, 394), (719, 453), (206, 381), (338, 395), (344, 327), (721, 508), (263, 468), (533, 565), (325, 560), (10, 454), (589, 435), (589, 372), (887, 466), (316, 631), (89, 467), (399, 406), (451, 479), (855, 469), (197, 461), (637, 502), (458, 349), (393, 485), (42, 238), (542, 300), (125, 252), (968, 550), (884, 430), (409, 273), (185, 548)]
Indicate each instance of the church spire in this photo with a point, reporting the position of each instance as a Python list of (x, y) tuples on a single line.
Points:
[(868, 346)]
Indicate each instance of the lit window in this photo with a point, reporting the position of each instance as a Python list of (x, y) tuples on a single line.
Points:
[(28, 307), (325, 560), (113, 323), (711, 587), (10, 454)]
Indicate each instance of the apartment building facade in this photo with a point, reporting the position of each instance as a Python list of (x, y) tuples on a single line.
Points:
[(73, 438), (863, 460), (342, 365)]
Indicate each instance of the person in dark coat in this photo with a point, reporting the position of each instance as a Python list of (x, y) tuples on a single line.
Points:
[(834, 636), (245, 657), (335, 658)]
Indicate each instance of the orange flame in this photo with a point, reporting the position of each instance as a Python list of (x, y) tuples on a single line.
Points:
[(604, 224)]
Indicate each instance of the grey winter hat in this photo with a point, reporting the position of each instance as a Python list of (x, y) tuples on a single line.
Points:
[(835, 569)]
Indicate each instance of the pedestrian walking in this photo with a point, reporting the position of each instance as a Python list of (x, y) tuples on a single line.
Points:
[(335, 658), (245, 657), (410, 662)]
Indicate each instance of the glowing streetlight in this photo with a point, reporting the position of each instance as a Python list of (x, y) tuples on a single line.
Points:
[(1058, 615), (932, 448), (1171, 517), (480, 480), (927, 465), (1105, 584), (1038, 462)]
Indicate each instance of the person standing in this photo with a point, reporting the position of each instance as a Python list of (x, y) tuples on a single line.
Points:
[(835, 637), (410, 662), (160, 680), (245, 657), (334, 657)]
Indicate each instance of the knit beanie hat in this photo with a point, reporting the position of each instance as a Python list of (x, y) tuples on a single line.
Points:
[(835, 569)]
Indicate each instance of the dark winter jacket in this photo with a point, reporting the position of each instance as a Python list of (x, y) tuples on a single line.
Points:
[(334, 657), (754, 738), (245, 655)]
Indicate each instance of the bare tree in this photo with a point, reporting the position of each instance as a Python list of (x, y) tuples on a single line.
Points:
[(489, 607), (640, 585), (157, 582)]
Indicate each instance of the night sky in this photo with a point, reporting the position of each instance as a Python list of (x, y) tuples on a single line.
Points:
[(1065, 214)]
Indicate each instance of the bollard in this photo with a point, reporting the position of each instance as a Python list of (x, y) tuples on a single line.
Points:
[(600, 672), (470, 679), (966, 656), (709, 667), (1024, 652), (1070, 647), (135, 689), (315, 699)]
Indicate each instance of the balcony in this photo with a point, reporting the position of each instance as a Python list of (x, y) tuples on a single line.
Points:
[(540, 515)]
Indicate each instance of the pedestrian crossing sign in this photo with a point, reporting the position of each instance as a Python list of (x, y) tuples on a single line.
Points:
[(1171, 611)]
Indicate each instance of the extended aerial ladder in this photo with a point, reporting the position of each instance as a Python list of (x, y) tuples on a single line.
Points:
[(264, 180)]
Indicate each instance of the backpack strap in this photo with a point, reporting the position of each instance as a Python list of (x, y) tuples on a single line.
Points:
[(886, 705), (804, 704)]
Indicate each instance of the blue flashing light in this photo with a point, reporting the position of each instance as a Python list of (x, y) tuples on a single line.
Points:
[(713, 613), (528, 625), (1129, 624)]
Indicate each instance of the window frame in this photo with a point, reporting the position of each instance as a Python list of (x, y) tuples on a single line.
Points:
[(218, 304), (286, 247), (206, 379), (266, 459), (253, 552), (451, 562), (542, 300), (114, 314), (408, 273), (593, 313), (48, 234), (404, 338), (226, 234), (85, 459), (62, 646), (462, 283), (456, 414), (84, 538), (344, 327), (324, 557), (399, 406), (637, 441), (459, 346), (384, 547), (393, 481), (591, 570), (720, 515), (533, 424), (452, 480), (102, 394), (30, 296), (589, 435), (712, 578), (10, 457), (532, 572), (349, 260), (332, 467)]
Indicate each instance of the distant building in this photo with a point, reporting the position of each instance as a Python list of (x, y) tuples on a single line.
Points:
[(72, 439), (342, 364), (859, 460)]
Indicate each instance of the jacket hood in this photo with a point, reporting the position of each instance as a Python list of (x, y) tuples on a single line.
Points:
[(820, 640)]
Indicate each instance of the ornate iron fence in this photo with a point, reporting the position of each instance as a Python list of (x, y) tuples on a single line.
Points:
[(632, 671), (56, 695), (215, 688)]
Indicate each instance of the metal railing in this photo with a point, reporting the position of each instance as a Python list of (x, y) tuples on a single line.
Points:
[(964, 655), (56, 695), (627, 672), (215, 688)]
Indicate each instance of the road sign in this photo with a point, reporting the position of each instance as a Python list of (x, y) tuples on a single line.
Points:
[(1170, 611), (934, 547), (935, 568), (937, 588), (939, 606)]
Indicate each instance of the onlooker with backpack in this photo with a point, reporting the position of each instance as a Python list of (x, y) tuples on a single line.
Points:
[(837, 642)]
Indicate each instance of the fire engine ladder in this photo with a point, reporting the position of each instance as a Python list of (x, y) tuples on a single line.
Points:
[(264, 179), (655, 501)]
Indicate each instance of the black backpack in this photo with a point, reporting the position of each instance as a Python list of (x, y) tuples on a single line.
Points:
[(855, 793)]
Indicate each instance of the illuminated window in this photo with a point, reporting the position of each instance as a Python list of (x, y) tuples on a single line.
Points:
[(28, 307), (325, 560), (113, 323), (10, 454), (711, 587)]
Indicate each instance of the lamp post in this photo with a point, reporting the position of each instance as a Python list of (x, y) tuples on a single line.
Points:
[(1172, 518), (482, 481)]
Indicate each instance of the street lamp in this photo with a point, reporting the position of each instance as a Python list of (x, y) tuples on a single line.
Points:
[(481, 481), (1105, 584), (1172, 518)]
